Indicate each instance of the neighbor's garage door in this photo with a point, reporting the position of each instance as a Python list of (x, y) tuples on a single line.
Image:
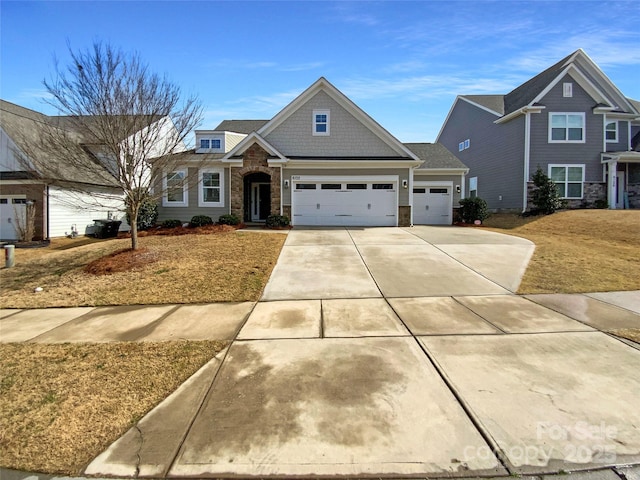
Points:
[(432, 205), (9, 208), (348, 202)]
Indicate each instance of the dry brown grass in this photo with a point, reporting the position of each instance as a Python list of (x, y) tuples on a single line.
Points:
[(230, 266), (579, 250), (64, 404), (628, 333)]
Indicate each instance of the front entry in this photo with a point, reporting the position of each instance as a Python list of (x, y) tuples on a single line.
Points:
[(260, 201), (257, 197)]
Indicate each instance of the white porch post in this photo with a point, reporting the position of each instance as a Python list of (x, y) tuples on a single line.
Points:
[(611, 184)]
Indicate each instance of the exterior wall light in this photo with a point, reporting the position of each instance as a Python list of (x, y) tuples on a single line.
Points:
[(405, 184), (286, 184)]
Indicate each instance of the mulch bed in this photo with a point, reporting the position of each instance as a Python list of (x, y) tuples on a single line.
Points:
[(122, 261)]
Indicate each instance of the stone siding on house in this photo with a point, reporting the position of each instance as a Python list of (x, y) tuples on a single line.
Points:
[(592, 191)]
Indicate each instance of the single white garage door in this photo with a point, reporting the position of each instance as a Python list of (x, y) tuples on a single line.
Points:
[(345, 202), (432, 205)]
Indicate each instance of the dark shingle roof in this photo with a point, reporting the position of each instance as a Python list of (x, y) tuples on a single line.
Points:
[(27, 127), (492, 102), (434, 155), (635, 103), (241, 126), (525, 93)]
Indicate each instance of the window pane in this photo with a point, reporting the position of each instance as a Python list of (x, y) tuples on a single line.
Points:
[(558, 174), (321, 128), (382, 186), (321, 118), (574, 190), (356, 186), (438, 190), (611, 126), (215, 143), (558, 134), (575, 134), (204, 143), (419, 190), (558, 121), (175, 195), (611, 135), (574, 121), (211, 194), (560, 187), (211, 179), (331, 186), (305, 186), (575, 174)]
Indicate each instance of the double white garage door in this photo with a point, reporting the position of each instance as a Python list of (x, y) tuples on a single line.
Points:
[(354, 201), (349, 201)]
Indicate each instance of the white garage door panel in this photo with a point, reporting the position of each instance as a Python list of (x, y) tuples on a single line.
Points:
[(344, 207), (432, 205)]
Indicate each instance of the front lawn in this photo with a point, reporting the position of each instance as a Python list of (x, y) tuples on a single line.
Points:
[(578, 251), (227, 266)]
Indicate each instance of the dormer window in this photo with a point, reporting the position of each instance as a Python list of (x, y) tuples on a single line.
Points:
[(205, 143), (321, 125), (210, 143)]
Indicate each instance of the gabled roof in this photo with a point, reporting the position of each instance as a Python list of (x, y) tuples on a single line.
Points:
[(525, 93), (322, 84), (247, 142), (26, 127), (435, 155), (240, 126)]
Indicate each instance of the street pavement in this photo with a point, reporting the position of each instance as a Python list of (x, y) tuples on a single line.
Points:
[(382, 352)]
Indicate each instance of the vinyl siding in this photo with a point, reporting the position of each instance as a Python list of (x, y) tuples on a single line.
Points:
[(348, 137), (81, 208), (402, 173), (544, 153), (185, 213), (495, 156)]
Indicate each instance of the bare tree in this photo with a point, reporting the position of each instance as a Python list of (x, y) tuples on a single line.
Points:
[(116, 119)]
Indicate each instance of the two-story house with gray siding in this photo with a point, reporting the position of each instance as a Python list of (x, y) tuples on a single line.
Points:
[(570, 120), (319, 161)]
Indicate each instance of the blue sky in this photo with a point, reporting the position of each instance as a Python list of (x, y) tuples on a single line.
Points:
[(402, 62)]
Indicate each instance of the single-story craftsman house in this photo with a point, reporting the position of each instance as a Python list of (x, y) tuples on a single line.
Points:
[(320, 161)]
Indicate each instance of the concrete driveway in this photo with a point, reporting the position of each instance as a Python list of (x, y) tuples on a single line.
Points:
[(402, 352), (419, 261)]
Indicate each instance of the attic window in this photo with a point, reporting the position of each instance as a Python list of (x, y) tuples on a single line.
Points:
[(567, 89), (321, 126)]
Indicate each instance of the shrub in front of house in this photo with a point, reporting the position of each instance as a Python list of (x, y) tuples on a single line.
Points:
[(200, 221), (228, 219), (545, 196), (472, 209), (147, 215), (172, 223), (277, 221)]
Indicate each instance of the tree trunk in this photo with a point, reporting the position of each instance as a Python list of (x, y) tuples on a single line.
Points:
[(133, 216)]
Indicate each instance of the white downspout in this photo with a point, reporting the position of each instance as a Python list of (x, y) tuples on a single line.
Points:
[(411, 195), (527, 150)]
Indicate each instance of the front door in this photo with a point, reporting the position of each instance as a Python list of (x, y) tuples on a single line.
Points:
[(619, 189), (260, 201)]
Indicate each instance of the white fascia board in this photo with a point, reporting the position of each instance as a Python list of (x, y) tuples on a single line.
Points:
[(441, 171), (346, 178), (520, 111), (337, 164), (246, 142), (582, 80), (322, 84), (598, 72)]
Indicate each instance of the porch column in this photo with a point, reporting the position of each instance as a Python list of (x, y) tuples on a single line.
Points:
[(611, 184)]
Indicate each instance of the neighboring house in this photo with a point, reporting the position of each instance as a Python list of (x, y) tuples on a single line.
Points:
[(320, 161), (570, 120), (69, 196)]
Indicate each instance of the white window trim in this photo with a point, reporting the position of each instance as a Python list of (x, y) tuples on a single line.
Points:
[(185, 189), (615, 140), (461, 146), (567, 89), (201, 202), (473, 185), (584, 127), (321, 112), (565, 166)]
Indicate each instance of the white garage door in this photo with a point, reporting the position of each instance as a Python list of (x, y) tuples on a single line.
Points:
[(432, 205), (348, 202), (9, 207)]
